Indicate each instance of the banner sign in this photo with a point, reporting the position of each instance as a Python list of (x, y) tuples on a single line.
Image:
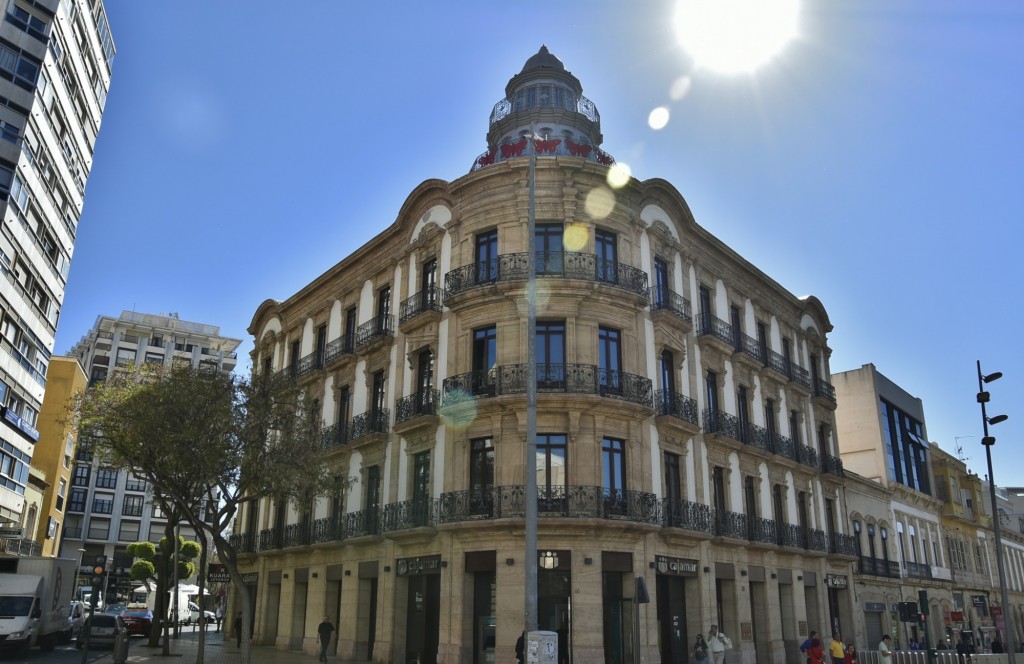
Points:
[(217, 573)]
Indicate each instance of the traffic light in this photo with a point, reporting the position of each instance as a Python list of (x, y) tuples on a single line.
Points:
[(99, 571), (908, 612)]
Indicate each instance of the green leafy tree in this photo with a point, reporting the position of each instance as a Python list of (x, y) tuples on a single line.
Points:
[(154, 567), (209, 443)]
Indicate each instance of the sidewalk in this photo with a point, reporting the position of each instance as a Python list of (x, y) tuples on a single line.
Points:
[(217, 651)]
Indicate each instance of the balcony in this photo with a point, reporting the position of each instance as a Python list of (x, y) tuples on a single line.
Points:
[(335, 435), (370, 422), (762, 531), (878, 567), (416, 405), (425, 301), (551, 378), (549, 265), (308, 364), (843, 545), (792, 535), (381, 327), (362, 523), (731, 524), (409, 514), (338, 348), (748, 348), (662, 299), (715, 328), (21, 547), (919, 571), (832, 465), (825, 390), (243, 542), (679, 513), (295, 534), (722, 423), (570, 502), (673, 404), (807, 456), (800, 376), (271, 538)]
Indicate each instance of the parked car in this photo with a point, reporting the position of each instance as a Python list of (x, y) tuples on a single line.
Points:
[(116, 609), (193, 614), (76, 620), (103, 628), (137, 621)]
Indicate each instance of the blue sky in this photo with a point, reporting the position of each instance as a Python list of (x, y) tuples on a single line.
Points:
[(876, 162)]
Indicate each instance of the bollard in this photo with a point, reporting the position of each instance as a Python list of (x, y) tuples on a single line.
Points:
[(121, 647)]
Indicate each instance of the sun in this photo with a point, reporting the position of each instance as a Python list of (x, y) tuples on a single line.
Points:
[(735, 36)]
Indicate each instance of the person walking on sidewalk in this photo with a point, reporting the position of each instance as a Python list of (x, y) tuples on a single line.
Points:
[(324, 631), (238, 629)]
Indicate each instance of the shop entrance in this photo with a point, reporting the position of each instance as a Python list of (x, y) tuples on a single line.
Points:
[(670, 594), (421, 619), (554, 599)]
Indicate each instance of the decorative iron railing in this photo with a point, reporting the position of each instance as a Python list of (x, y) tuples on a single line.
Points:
[(409, 514), (680, 406), (574, 502), (373, 421), (662, 299), (243, 542), (762, 530), (783, 446), (800, 375), (307, 364), (748, 345), (832, 464), (327, 529), (426, 300), (708, 325), (777, 362), (337, 348), (568, 378), (845, 545), (731, 524), (295, 534), (416, 405), (270, 538), (878, 567), (362, 523), (335, 434), (825, 389), (375, 328), (816, 540), (21, 547), (552, 97), (549, 265), (807, 455), (721, 422), (919, 570), (759, 437), (792, 535), (680, 513)]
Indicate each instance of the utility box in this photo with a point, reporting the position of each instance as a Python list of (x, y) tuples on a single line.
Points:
[(542, 647)]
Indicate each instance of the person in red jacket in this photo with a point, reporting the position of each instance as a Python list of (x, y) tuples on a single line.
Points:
[(816, 654)]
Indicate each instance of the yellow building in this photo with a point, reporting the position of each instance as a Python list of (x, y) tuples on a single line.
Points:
[(689, 447)]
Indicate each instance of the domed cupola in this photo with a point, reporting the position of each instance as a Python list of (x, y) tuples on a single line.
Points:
[(546, 96)]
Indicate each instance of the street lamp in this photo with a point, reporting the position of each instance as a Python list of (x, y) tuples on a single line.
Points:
[(988, 441)]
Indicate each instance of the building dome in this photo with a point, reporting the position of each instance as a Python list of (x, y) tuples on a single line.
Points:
[(543, 59)]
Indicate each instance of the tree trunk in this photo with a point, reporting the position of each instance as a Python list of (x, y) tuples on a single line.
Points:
[(201, 534)]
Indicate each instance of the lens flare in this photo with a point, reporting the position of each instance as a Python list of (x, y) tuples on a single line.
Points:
[(599, 203), (619, 175), (575, 237), (680, 88), (459, 409), (735, 36), (658, 118)]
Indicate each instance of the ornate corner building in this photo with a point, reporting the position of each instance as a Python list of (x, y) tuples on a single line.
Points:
[(685, 422)]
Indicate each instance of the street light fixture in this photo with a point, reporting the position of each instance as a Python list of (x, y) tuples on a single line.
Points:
[(988, 441)]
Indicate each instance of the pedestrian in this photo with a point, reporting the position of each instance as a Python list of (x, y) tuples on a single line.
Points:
[(700, 650), (851, 654), (806, 645), (218, 616), (885, 650), (718, 643), (238, 629), (520, 646), (816, 654), (836, 650), (324, 631)]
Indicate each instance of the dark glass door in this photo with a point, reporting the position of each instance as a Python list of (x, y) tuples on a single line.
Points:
[(550, 350)]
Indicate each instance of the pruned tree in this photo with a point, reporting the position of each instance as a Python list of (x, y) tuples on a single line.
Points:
[(210, 442), (154, 568)]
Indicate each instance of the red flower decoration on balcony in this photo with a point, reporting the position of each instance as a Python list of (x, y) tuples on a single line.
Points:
[(547, 147), (487, 159), (509, 150), (577, 149), (603, 157)]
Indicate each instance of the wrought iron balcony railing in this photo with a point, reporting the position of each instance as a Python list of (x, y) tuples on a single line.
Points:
[(409, 514), (708, 325), (338, 347), (243, 542), (426, 300), (807, 455), (721, 422), (336, 434), (271, 538), (800, 375), (573, 502), (825, 389), (759, 437), (416, 405), (731, 524), (308, 363), (327, 529), (878, 567), (373, 421), (549, 265), (375, 328), (568, 378), (778, 363), (792, 535), (362, 523), (841, 544), (670, 402), (816, 540), (783, 446), (919, 570), (748, 345), (762, 530), (295, 534), (687, 515), (662, 299), (832, 464)]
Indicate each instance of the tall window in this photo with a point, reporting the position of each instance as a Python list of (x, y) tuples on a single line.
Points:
[(485, 348), (613, 466), (428, 284), (742, 413), (552, 475), (62, 488), (384, 309), (666, 369), (550, 349), (769, 420), (704, 310), (425, 381), (377, 395), (293, 367), (711, 393), (106, 478), (610, 358), (794, 427), (548, 248), (351, 323), (749, 496), (856, 539), (661, 284), (321, 345), (372, 497), (487, 256), (481, 475), (606, 245), (777, 505), (132, 505), (883, 532), (344, 406), (737, 327), (421, 487), (787, 354), (77, 502), (762, 341), (81, 475), (718, 485)]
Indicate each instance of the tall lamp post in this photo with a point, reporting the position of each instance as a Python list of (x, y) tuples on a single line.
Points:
[(988, 441)]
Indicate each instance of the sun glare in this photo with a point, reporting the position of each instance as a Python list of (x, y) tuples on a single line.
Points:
[(735, 36)]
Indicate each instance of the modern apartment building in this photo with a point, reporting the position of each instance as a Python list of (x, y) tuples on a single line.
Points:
[(686, 427), (55, 64), (109, 509)]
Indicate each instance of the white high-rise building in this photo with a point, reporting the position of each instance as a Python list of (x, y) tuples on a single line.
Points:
[(55, 63)]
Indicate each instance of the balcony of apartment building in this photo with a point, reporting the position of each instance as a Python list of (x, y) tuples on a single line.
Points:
[(568, 266), (364, 429), (885, 568), (21, 546), (417, 410), (670, 308), (420, 309), (676, 410), (552, 378), (723, 427)]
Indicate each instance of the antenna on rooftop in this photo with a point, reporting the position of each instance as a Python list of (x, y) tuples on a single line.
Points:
[(960, 454)]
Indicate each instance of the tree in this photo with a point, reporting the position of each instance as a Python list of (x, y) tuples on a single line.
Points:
[(210, 442), (154, 567)]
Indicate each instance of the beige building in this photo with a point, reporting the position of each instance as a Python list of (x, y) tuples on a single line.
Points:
[(685, 427)]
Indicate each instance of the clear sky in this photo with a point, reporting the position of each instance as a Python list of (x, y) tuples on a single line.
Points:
[(876, 162)]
